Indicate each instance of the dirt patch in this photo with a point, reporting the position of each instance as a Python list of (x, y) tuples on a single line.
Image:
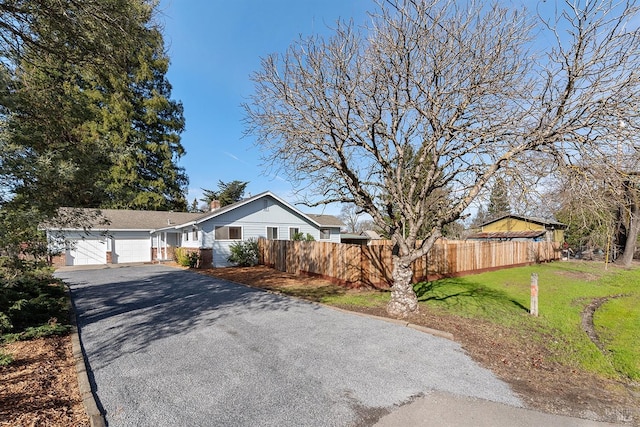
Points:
[(268, 278), (40, 388), (528, 366)]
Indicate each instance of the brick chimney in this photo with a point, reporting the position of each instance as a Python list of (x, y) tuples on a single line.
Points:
[(215, 204)]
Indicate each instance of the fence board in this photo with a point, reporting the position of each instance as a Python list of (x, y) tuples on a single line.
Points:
[(372, 265)]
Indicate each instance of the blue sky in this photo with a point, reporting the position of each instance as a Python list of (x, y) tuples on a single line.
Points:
[(214, 47)]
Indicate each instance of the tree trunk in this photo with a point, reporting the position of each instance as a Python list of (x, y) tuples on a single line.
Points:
[(632, 237), (403, 298)]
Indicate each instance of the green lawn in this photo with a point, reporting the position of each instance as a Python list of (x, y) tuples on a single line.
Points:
[(617, 323), (565, 289)]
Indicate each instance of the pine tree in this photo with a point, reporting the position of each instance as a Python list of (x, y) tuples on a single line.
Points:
[(228, 193), (144, 174), (74, 136), (480, 218), (498, 200), (194, 206)]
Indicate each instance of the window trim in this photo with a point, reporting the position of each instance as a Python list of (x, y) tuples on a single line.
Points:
[(269, 236), (228, 227), (328, 233), (291, 234)]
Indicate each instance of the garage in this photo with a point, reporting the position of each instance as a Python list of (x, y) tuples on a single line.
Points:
[(87, 251), (110, 236), (131, 247)]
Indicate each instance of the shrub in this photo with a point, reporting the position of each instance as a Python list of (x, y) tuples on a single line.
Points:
[(194, 257), (244, 254), (5, 323), (5, 359), (30, 298), (187, 258), (301, 237), (50, 329)]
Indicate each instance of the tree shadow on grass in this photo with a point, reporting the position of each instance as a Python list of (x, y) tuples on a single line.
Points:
[(456, 293), (316, 294)]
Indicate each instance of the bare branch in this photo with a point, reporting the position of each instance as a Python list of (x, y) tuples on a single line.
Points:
[(412, 117)]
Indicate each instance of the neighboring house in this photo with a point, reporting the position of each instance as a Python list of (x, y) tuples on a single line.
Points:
[(520, 228), (354, 239), (362, 238), (372, 235), (212, 233)]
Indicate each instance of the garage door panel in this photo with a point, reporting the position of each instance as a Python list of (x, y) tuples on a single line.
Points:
[(87, 252), (131, 250)]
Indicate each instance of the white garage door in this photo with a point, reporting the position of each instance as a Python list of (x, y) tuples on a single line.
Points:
[(87, 251), (132, 249)]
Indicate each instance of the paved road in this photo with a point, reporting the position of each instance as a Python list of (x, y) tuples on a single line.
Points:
[(168, 347)]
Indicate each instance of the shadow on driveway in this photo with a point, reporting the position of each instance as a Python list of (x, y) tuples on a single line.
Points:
[(160, 303)]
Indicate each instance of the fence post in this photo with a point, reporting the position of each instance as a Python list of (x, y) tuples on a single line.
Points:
[(534, 294)]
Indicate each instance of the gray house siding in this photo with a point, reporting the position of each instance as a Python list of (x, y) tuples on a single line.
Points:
[(253, 218)]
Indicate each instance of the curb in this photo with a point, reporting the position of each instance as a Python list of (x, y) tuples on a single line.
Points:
[(86, 393), (430, 331)]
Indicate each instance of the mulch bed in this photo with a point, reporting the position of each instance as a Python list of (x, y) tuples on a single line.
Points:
[(40, 388)]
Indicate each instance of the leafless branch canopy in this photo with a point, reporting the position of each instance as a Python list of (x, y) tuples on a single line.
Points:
[(412, 115)]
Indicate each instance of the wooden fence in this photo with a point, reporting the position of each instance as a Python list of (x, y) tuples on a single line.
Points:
[(355, 265)]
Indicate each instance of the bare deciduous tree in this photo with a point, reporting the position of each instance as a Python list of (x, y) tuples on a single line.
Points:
[(600, 195), (350, 215), (410, 117)]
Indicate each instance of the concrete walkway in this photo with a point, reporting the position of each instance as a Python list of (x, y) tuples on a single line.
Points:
[(440, 409)]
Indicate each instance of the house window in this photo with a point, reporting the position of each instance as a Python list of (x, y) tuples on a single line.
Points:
[(228, 233), (272, 233), (185, 236), (195, 233), (325, 233), (292, 232)]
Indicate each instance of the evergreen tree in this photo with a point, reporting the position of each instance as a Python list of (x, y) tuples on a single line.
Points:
[(50, 156), (228, 193), (209, 196), (78, 137), (498, 200), (144, 174), (194, 206), (92, 34)]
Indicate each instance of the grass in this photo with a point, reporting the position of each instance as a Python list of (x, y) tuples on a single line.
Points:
[(317, 294), (565, 289), (617, 326), (363, 299)]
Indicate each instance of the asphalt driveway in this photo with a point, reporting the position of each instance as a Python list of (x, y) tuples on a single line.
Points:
[(172, 347)]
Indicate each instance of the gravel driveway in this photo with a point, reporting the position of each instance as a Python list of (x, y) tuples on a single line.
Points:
[(170, 347)]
